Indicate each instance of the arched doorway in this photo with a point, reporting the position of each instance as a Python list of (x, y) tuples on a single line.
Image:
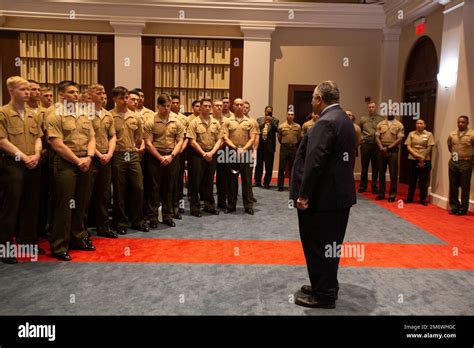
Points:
[(420, 86)]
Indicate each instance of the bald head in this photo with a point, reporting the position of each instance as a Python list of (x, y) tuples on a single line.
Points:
[(238, 107)]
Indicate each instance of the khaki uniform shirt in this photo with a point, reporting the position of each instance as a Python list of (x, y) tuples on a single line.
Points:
[(145, 115), (289, 134), (239, 131), (75, 129), (206, 135), (462, 145), (420, 143), (368, 125), (43, 114), (164, 136), (191, 117), (182, 118), (127, 128), (389, 132), (307, 125), (229, 114), (358, 134), (22, 133), (104, 129), (255, 123)]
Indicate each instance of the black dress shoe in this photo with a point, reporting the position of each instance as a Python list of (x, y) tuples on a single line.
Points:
[(258, 184), (280, 189), (62, 256), (453, 212), (391, 199), (266, 186), (379, 197), (41, 251), (121, 230), (424, 203), (462, 212), (196, 213), (313, 302), (408, 201), (142, 227), (249, 211), (177, 216), (228, 211), (361, 190), (9, 260), (181, 210), (308, 290), (375, 190), (153, 224), (222, 206), (84, 245), (107, 234), (212, 211), (170, 223)]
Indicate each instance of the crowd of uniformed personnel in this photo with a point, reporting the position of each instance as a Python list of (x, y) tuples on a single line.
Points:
[(63, 162)]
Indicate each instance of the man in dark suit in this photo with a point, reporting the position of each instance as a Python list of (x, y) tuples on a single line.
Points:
[(266, 147), (324, 189)]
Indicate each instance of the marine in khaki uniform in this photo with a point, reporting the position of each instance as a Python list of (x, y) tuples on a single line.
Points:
[(388, 135), (239, 134), (226, 107), (203, 134), (127, 177), (420, 143), (20, 147), (71, 135), (222, 181), (257, 139), (163, 138), (105, 139), (289, 134), (196, 105), (461, 146), (178, 195), (369, 149), (308, 124)]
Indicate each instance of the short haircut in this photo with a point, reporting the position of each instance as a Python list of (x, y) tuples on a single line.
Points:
[(226, 97), (45, 89), (96, 86), (216, 101), (246, 102), (328, 92), (119, 91), (33, 81), (14, 80), (65, 84), (137, 90), (163, 99), (465, 117), (205, 99), (420, 119), (134, 91), (195, 102), (174, 96), (268, 106)]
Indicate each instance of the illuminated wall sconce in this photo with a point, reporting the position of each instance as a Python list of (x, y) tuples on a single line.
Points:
[(447, 78)]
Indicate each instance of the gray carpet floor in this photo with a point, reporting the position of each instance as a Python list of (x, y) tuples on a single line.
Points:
[(48, 288)]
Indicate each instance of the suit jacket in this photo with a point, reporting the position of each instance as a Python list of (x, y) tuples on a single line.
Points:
[(269, 144), (322, 171)]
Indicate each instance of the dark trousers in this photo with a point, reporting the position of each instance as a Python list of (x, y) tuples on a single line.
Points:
[(287, 156), (264, 158), (317, 231), (146, 183), (71, 187), (43, 197), (418, 174), (391, 161), (369, 154), (460, 173), (127, 180), (245, 172), (222, 183), (178, 188), (163, 179), (19, 206), (100, 195), (201, 182)]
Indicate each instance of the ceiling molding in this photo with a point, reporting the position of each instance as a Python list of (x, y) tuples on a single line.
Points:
[(128, 28), (257, 32), (314, 15), (411, 10)]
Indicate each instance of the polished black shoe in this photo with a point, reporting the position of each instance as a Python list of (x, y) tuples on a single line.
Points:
[(361, 190), (222, 206), (391, 199), (313, 302), (228, 211), (266, 186), (308, 290), (408, 201), (280, 189), (142, 227), (453, 212), (41, 251), (177, 216), (375, 190), (196, 213), (153, 224), (181, 210), (121, 230), (107, 234), (378, 198), (170, 223), (258, 184), (462, 212), (84, 245), (9, 260), (424, 203), (249, 211), (212, 211), (62, 256)]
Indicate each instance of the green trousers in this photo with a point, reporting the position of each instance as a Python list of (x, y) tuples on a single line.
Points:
[(460, 173), (100, 195), (201, 182)]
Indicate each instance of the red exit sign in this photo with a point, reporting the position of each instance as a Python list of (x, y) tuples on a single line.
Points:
[(420, 26)]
